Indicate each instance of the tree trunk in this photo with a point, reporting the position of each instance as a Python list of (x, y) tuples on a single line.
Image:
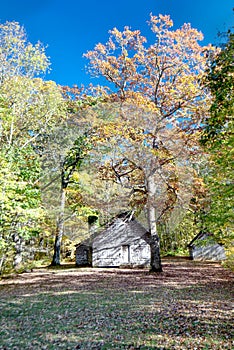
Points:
[(59, 230), (18, 251), (155, 260), (2, 260)]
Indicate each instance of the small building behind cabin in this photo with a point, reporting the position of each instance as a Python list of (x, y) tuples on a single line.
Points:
[(205, 247)]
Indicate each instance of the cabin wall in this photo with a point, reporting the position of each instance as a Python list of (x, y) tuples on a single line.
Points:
[(140, 253), (107, 257), (214, 252), (135, 253)]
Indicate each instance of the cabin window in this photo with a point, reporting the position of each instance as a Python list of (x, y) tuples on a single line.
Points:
[(126, 253)]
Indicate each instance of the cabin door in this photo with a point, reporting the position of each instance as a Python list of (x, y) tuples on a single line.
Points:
[(126, 253)]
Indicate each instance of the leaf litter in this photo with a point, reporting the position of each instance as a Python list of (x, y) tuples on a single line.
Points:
[(188, 306)]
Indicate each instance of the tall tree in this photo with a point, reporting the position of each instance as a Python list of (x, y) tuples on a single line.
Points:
[(19, 57), (217, 139), (29, 107), (63, 156), (68, 165), (158, 103), (21, 211)]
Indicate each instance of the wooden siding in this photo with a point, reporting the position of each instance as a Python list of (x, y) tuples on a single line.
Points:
[(214, 252), (122, 243), (204, 247), (138, 255)]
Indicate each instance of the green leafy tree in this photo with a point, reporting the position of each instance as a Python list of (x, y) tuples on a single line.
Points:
[(218, 141), (68, 166), (63, 156), (19, 57), (29, 108), (21, 213)]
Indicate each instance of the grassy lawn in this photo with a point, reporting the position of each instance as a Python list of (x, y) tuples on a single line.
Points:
[(188, 306)]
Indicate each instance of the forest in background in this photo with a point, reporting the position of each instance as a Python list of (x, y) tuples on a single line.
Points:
[(156, 141)]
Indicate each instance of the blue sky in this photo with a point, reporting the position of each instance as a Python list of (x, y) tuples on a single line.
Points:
[(72, 27)]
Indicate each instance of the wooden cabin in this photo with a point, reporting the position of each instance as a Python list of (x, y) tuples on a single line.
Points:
[(123, 242), (205, 247)]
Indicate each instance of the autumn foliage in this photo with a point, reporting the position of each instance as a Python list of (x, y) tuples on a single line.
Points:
[(158, 103)]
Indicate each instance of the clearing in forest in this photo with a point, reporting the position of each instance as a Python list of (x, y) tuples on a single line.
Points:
[(188, 306)]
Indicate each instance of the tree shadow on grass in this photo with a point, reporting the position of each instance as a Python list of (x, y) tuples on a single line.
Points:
[(118, 320), (187, 306)]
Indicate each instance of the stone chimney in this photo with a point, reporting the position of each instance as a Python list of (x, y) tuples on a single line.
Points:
[(93, 223)]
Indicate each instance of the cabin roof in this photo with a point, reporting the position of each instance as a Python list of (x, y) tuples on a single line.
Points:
[(200, 236), (121, 232), (126, 227)]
